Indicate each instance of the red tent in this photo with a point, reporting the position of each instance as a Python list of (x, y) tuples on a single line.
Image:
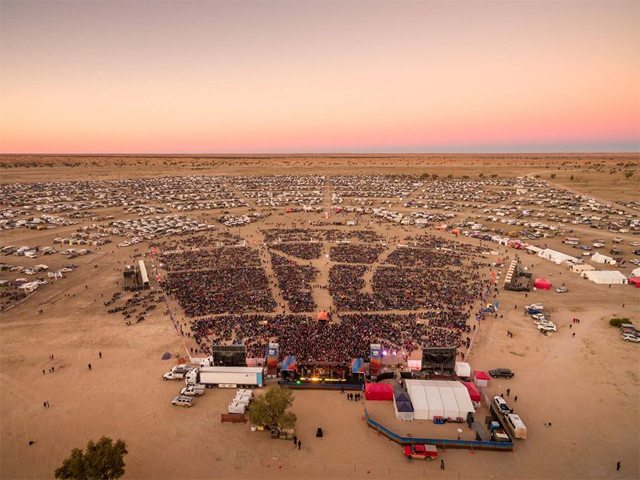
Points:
[(323, 316), (635, 281), (473, 391), (542, 284), (378, 391)]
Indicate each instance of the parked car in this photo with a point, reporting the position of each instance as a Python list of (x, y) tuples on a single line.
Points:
[(501, 404), (182, 401), (547, 328), (627, 337), (501, 373)]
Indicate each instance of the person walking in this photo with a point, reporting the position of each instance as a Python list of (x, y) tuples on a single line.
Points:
[(100, 354), (441, 464), (618, 467), (295, 440), (89, 367), (299, 444), (508, 391), (515, 399)]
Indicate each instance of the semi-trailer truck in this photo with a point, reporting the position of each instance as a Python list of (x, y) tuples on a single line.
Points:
[(226, 377)]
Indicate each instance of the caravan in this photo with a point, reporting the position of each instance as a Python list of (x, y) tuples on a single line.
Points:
[(515, 425)]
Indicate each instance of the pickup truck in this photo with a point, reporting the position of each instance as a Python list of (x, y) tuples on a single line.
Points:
[(177, 373), (423, 452)]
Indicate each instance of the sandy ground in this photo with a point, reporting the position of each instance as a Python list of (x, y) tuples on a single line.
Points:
[(587, 386)]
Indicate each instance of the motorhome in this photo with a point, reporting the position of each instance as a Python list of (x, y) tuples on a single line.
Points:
[(515, 425)]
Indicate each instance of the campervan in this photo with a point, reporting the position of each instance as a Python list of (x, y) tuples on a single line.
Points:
[(515, 425)]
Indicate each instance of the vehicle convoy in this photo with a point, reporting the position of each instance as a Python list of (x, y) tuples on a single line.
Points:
[(177, 372), (423, 452), (226, 377), (501, 373), (193, 390)]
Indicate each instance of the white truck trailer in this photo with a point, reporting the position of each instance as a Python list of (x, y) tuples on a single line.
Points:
[(227, 377)]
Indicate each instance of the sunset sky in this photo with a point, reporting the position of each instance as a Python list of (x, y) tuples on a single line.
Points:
[(319, 76)]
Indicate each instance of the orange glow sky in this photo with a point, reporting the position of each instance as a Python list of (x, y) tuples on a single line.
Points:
[(319, 76)]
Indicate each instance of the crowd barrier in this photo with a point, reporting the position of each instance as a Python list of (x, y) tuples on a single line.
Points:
[(439, 442)]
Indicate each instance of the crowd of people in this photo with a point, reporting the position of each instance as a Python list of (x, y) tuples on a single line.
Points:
[(272, 235), (224, 290), (305, 251), (319, 341), (215, 258), (294, 281), (356, 253)]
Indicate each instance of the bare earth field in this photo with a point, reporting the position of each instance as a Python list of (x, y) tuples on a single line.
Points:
[(586, 386)]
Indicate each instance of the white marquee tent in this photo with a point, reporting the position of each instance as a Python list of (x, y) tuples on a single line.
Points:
[(599, 258), (447, 399), (605, 277), (557, 257)]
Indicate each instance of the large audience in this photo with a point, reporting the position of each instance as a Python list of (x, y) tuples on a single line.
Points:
[(319, 341), (347, 253), (294, 281), (305, 251)]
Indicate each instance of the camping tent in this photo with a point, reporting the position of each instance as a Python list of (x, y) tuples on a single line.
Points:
[(605, 277), (635, 272), (402, 406), (635, 281), (323, 316), (481, 378), (474, 394), (542, 284), (378, 391)]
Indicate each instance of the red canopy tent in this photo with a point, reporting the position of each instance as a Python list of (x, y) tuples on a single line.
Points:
[(481, 378), (542, 284), (635, 281), (378, 391), (323, 316), (473, 391)]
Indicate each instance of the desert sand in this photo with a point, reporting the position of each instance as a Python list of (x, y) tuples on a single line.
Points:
[(587, 386)]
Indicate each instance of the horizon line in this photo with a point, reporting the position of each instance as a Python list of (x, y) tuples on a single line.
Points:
[(255, 154)]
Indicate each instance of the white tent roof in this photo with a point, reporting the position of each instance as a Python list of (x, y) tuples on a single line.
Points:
[(606, 277), (439, 399), (555, 256), (599, 258), (636, 272)]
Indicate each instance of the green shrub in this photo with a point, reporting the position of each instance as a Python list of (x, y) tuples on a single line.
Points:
[(617, 322)]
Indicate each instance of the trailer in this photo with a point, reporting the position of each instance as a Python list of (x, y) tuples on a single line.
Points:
[(227, 377)]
